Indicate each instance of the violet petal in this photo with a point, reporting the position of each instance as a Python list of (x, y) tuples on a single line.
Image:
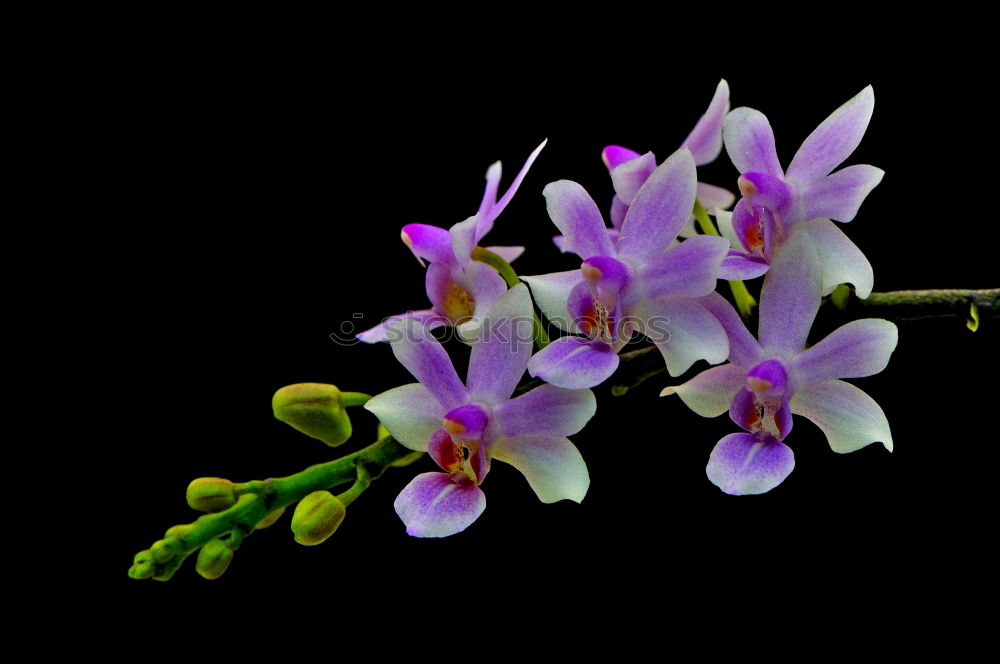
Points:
[(436, 505), (574, 363), (661, 208), (746, 464), (834, 139), (546, 411)]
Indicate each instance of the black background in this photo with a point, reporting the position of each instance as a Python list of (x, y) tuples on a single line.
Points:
[(206, 208)]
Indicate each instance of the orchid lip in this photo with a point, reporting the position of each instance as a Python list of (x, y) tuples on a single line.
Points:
[(746, 187)]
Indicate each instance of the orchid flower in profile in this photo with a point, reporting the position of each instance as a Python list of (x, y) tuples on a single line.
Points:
[(770, 378), (460, 290), (465, 426), (629, 170), (804, 199), (630, 283)]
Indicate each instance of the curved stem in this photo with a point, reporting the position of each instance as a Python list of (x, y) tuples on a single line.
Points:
[(744, 300), (636, 366), (504, 269)]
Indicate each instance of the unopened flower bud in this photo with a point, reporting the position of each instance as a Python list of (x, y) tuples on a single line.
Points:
[(176, 532), (316, 517), (270, 518), (211, 494), (213, 559), (314, 409), (142, 566), (163, 550)]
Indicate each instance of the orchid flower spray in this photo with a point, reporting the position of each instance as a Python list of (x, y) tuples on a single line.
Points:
[(804, 199), (648, 276), (770, 378), (463, 427), (635, 282), (460, 289)]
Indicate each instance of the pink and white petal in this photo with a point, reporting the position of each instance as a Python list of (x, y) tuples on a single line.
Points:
[(683, 330), (551, 292), (741, 464), (628, 177), (424, 357), (750, 142), (710, 392), (501, 352), (618, 212), (859, 348), (834, 139), (839, 196), (574, 363), (744, 350), (427, 242), (724, 220), (705, 140), (553, 466), (715, 198), (427, 317), (493, 174), (575, 213), (438, 505), (790, 296), (410, 413), (463, 239), (509, 254), (850, 418), (564, 245), (546, 411), (689, 269), (483, 284), (661, 208), (614, 155), (486, 220), (738, 266), (841, 262)]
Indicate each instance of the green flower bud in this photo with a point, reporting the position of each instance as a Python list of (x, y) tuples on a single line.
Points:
[(270, 519), (314, 409), (213, 559), (176, 532), (211, 494), (163, 550), (316, 517), (142, 566)]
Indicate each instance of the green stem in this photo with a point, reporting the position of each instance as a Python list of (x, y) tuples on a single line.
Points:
[(258, 498), (504, 269), (744, 300), (701, 216), (354, 398)]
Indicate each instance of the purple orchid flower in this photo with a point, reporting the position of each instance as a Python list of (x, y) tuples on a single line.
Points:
[(460, 290), (464, 426), (629, 170), (766, 382), (805, 199), (630, 283)]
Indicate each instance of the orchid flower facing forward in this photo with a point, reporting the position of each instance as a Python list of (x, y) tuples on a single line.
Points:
[(460, 289), (766, 382), (629, 170), (804, 199), (631, 283), (464, 426)]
